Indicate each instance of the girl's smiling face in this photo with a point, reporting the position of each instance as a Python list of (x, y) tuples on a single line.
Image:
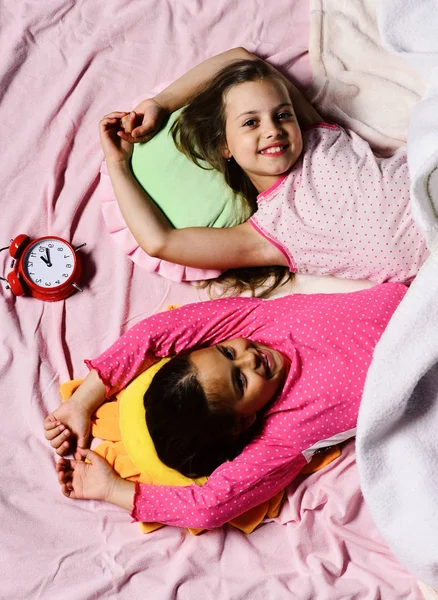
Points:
[(262, 132), (245, 374)]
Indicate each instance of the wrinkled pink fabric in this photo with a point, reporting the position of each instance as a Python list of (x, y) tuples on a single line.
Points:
[(63, 65)]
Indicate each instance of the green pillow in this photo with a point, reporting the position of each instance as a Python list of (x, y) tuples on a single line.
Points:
[(188, 195)]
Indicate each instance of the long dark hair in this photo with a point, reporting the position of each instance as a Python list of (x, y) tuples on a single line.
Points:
[(199, 133), (191, 433)]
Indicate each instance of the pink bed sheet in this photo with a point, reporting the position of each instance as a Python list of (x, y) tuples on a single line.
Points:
[(63, 65)]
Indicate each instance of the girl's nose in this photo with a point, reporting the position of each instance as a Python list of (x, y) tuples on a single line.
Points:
[(249, 359), (272, 130)]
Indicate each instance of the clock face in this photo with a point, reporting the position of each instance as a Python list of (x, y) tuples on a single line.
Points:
[(49, 263)]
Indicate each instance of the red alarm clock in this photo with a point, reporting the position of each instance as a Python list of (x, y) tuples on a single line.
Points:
[(46, 268)]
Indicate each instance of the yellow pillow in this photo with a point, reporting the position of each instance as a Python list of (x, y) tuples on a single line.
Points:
[(135, 434)]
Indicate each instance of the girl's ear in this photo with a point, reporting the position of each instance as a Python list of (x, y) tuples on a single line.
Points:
[(243, 422), (226, 153)]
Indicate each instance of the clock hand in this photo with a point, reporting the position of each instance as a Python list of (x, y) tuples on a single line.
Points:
[(49, 262), (45, 260)]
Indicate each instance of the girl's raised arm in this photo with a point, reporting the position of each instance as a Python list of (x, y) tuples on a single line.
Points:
[(178, 93)]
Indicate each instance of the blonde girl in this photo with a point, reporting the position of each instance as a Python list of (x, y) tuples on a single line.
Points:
[(324, 203)]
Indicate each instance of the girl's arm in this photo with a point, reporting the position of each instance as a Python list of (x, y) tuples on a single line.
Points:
[(253, 477), (201, 247), (306, 113), (232, 489), (176, 95), (179, 93), (168, 333)]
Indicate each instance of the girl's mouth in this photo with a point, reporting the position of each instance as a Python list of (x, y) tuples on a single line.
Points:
[(267, 362), (274, 150)]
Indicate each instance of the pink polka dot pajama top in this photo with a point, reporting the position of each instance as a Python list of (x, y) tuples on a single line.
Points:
[(343, 211), (328, 340)]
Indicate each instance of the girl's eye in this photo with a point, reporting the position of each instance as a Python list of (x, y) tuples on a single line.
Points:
[(241, 382), (284, 115), (250, 123), (229, 353)]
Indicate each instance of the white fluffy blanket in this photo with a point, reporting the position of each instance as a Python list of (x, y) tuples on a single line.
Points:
[(357, 82), (397, 435)]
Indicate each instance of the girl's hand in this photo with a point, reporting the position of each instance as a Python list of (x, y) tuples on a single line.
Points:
[(68, 427), (115, 147), (93, 480), (143, 122)]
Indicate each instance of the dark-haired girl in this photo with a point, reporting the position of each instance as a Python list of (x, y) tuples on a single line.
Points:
[(286, 374)]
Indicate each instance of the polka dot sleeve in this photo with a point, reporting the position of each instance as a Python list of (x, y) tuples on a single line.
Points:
[(170, 332), (256, 475)]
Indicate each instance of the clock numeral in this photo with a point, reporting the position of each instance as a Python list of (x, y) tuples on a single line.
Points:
[(68, 266), (41, 249), (65, 274), (47, 283), (30, 264), (38, 280), (66, 255), (51, 245), (60, 248), (57, 281), (31, 273), (33, 254)]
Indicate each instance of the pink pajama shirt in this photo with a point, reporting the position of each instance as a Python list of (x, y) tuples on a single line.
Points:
[(343, 211), (328, 340)]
